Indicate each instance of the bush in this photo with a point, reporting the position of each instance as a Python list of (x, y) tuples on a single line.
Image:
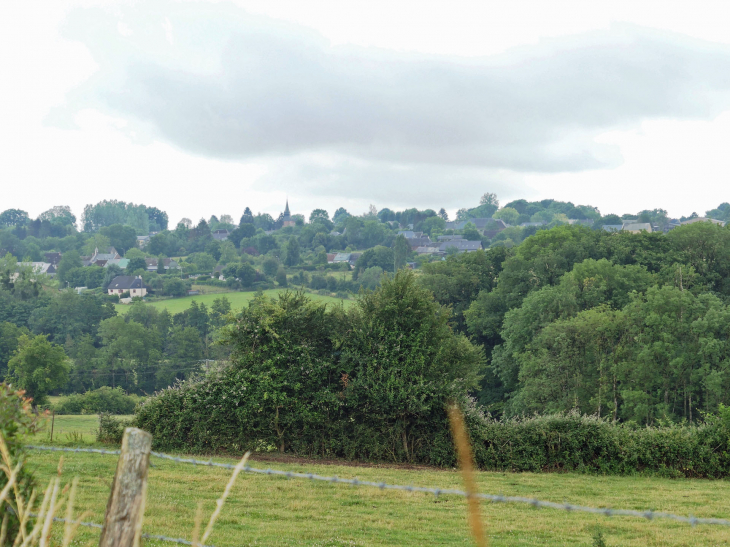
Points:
[(16, 421), (103, 400), (589, 444), (111, 429), (370, 383)]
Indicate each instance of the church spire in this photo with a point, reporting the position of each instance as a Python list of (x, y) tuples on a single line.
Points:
[(287, 214)]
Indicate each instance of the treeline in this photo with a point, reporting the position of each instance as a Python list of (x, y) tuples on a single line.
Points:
[(81, 343), (628, 326)]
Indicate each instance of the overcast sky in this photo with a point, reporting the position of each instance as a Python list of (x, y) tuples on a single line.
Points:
[(204, 108)]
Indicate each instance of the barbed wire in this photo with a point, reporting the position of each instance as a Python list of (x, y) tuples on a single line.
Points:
[(146, 536), (605, 511)]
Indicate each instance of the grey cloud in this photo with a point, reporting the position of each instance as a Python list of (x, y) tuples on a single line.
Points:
[(397, 185), (236, 86)]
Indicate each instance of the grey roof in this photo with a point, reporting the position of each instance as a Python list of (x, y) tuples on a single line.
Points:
[(220, 235), (461, 245), (126, 282), (638, 227), (541, 223), (342, 257), (418, 241), (53, 258), (167, 262), (703, 219), (449, 238), (612, 227)]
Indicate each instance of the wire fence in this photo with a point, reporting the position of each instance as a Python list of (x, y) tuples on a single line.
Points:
[(605, 511)]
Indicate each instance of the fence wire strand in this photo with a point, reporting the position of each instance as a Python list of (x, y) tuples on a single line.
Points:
[(605, 511), (146, 536)]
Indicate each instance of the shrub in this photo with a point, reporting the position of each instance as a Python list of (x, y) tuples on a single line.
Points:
[(105, 399), (589, 444), (369, 383), (111, 429), (16, 422)]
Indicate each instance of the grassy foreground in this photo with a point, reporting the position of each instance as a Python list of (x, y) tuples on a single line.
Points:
[(238, 300), (274, 511)]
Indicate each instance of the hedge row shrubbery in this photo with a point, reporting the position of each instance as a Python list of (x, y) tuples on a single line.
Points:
[(371, 383), (588, 444), (105, 399), (367, 383)]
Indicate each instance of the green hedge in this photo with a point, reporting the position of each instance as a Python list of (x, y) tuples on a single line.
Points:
[(574, 442), (105, 399)]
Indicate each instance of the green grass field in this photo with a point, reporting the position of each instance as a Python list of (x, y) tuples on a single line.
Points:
[(238, 300), (70, 430), (274, 511)]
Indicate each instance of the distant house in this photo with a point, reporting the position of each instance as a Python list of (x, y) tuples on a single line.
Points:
[(637, 228), (341, 257), (703, 219), (528, 224), (110, 253), (221, 235), (409, 234), (449, 238), (428, 250), (143, 241), (331, 258), (461, 245), (612, 227), (581, 221), (416, 242), (127, 283), (498, 226), (53, 258), (121, 262), (479, 223), (39, 267), (169, 264), (354, 257)]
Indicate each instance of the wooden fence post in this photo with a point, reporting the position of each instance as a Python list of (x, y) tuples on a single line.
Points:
[(125, 508)]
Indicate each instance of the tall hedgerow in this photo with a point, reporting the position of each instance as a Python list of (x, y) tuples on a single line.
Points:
[(368, 383)]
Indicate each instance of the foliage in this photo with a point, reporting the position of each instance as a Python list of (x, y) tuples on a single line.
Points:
[(17, 421), (104, 399), (589, 444), (368, 383), (111, 429), (38, 366)]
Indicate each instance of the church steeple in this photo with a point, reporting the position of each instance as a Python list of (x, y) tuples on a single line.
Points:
[(287, 214)]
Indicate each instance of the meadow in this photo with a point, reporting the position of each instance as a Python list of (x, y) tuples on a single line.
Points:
[(238, 300), (275, 511)]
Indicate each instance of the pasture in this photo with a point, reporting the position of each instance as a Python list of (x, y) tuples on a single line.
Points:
[(276, 511), (238, 300)]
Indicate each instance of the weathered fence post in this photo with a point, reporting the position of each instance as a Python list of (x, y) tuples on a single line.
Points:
[(125, 508)]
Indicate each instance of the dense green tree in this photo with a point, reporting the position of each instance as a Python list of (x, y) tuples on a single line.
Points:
[(292, 252), (121, 237), (271, 266), (470, 232), (382, 257), (9, 335), (13, 217), (401, 252), (135, 264), (175, 287), (69, 261), (281, 277), (38, 366)]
